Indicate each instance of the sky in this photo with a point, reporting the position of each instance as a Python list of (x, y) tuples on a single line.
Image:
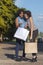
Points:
[(36, 8)]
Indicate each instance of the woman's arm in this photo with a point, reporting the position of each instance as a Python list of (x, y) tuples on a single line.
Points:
[(31, 27), (16, 23)]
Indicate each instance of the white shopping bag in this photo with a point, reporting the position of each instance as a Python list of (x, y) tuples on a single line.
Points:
[(31, 47), (21, 33)]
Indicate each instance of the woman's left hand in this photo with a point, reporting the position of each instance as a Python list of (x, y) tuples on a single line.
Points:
[(25, 26)]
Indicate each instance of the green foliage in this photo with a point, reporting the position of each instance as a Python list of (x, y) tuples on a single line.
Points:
[(7, 15)]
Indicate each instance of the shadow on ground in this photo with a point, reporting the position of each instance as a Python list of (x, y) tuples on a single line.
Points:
[(13, 57), (10, 56)]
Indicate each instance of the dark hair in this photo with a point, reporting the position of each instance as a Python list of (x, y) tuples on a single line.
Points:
[(19, 11), (28, 13)]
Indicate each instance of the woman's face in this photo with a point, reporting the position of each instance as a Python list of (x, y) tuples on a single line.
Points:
[(26, 16), (21, 14)]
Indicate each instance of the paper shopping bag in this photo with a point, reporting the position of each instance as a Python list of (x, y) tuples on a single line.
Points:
[(21, 33), (31, 47)]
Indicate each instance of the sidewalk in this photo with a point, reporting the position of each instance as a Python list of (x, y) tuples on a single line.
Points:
[(7, 56)]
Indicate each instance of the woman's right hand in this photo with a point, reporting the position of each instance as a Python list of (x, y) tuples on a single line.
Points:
[(31, 40), (20, 24), (30, 37)]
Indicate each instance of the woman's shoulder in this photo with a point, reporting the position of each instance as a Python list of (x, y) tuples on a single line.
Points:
[(16, 18)]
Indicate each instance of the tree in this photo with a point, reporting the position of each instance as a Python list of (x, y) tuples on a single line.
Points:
[(7, 15)]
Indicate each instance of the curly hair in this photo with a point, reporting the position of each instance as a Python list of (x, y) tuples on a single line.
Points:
[(19, 11)]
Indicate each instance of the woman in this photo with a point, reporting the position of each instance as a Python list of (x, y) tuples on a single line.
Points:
[(33, 31), (19, 21)]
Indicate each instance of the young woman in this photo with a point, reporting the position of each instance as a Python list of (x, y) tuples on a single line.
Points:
[(20, 22), (33, 31)]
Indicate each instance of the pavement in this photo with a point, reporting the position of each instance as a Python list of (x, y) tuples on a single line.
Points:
[(7, 55)]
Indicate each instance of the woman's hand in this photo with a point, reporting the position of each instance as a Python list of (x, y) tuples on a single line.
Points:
[(31, 40), (20, 24), (25, 26), (30, 37)]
